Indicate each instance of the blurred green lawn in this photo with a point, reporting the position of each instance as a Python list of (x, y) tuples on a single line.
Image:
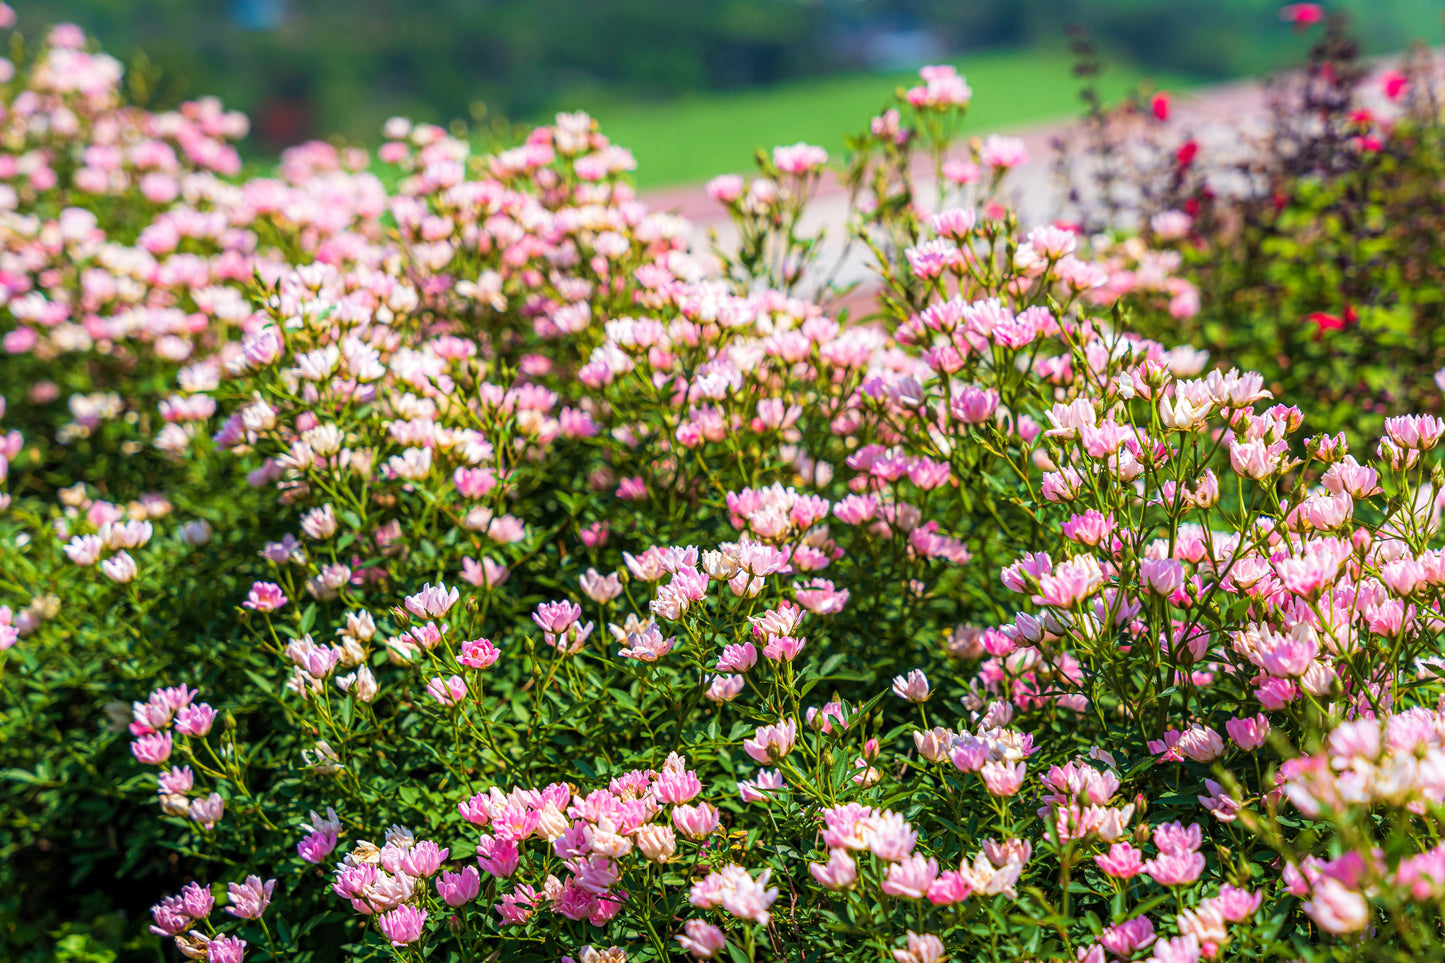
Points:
[(690, 139)]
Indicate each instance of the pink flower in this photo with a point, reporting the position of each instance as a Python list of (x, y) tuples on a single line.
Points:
[(961, 171), (600, 588), (1336, 907), (942, 88), (225, 949), (402, 925), (555, 618), (478, 654), (799, 159), (497, 856), (1175, 868), (474, 482), (249, 899), (265, 597), (632, 489), (725, 688), (676, 786), (516, 907), (696, 822), (1248, 734), (449, 692), (1126, 938), (1175, 837), (955, 223), (931, 258), (1123, 861), (911, 878), (423, 859), (771, 743), (725, 189), (949, 888), (913, 686), (1003, 778), (177, 780), (784, 648), (1200, 743), (1181, 949), (152, 749), (760, 789), (1163, 576), (432, 602), (196, 900), (317, 846), (85, 550), (926, 948), (195, 720), (887, 835), (701, 939), (839, 872), (1237, 905), (457, 889), (487, 572), (170, 917), (1003, 152), (737, 658), (828, 716)]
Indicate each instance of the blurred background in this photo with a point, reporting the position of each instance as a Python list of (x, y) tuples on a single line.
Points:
[(691, 86)]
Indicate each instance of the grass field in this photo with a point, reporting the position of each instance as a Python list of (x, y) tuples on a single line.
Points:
[(690, 139)]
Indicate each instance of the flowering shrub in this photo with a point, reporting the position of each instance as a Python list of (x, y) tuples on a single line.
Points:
[(1315, 239), (474, 569)]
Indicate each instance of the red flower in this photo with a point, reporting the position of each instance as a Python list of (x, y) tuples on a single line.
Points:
[(1302, 15), (1326, 322), (1394, 83), (1159, 104), (1186, 154)]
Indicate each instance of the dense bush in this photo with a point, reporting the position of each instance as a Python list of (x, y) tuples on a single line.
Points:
[(1317, 248), (474, 570)]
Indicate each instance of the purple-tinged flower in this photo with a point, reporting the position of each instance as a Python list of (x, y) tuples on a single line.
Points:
[(457, 889), (556, 618), (448, 692), (516, 907), (153, 749), (423, 859), (695, 822), (265, 597), (208, 811), (700, 938), (195, 720), (225, 949), (497, 856), (317, 846), (250, 898), (196, 901), (771, 743), (432, 602), (478, 654), (402, 925)]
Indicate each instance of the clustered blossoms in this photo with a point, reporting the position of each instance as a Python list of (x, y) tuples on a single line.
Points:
[(609, 600)]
